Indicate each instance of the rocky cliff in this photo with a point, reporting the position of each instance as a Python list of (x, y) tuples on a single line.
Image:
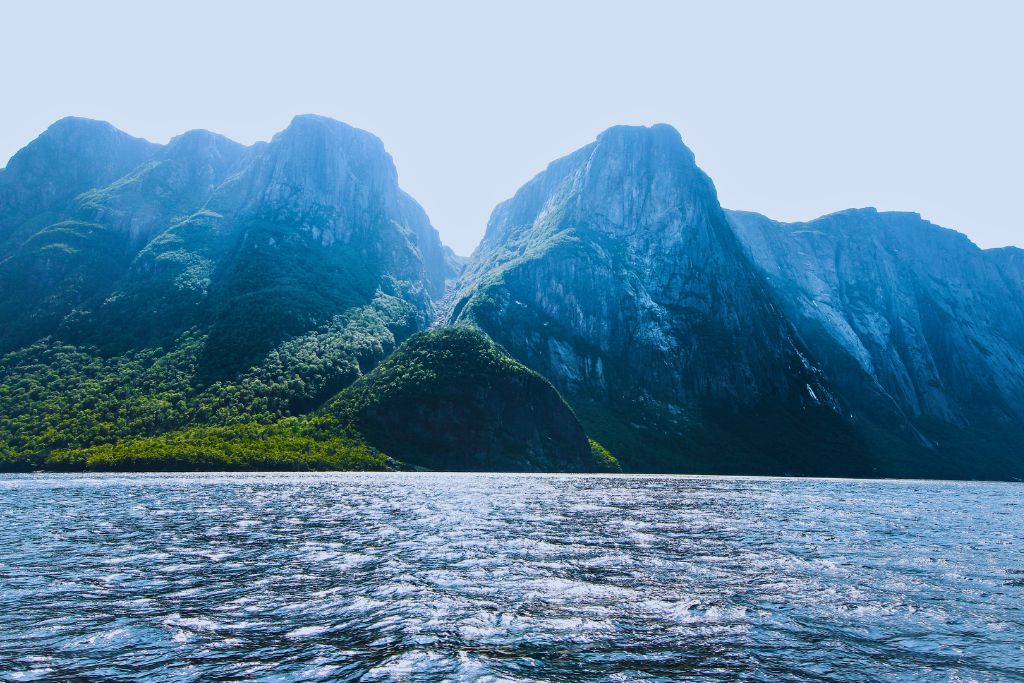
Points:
[(919, 330), (615, 274)]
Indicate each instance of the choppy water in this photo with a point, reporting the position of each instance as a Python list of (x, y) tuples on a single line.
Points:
[(472, 577)]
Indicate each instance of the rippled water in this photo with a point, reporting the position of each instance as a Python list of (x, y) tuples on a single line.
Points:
[(425, 577)]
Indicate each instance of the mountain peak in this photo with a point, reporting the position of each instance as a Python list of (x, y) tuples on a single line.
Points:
[(317, 161), (636, 176), (332, 145), (318, 120), (71, 156), (630, 177), (321, 129), (661, 138), (211, 151), (663, 131), (74, 139), (200, 137), (79, 125)]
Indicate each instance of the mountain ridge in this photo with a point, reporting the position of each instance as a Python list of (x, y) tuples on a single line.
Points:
[(203, 293)]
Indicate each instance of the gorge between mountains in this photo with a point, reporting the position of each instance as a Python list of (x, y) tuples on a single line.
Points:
[(208, 305)]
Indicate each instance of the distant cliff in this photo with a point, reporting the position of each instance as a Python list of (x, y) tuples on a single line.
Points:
[(919, 330)]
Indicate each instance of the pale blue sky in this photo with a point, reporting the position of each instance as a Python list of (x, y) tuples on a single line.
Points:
[(795, 109)]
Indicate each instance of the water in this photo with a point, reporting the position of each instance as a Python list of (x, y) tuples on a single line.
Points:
[(423, 577)]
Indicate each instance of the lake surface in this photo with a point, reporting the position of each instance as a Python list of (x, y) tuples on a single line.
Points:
[(429, 577)]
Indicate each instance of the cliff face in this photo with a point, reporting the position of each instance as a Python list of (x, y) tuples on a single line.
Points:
[(615, 274), (918, 329)]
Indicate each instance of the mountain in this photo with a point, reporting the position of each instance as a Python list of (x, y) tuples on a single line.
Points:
[(616, 274), (71, 263), (919, 330), (451, 400), (147, 241), (147, 288), (209, 305), (313, 225), (72, 156)]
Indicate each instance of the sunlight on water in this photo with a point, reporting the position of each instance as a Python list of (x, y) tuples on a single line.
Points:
[(424, 577)]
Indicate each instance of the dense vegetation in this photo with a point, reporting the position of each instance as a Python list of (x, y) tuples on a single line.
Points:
[(448, 399), (604, 461), (288, 445), (55, 396), (452, 399)]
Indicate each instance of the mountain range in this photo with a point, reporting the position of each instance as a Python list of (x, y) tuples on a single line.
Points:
[(203, 304)]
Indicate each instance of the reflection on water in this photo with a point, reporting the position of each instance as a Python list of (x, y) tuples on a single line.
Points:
[(427, 577)]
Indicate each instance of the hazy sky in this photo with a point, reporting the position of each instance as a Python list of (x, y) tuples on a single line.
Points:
[(794, 109)]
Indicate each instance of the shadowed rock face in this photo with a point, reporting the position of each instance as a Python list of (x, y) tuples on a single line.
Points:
[(616, 275), (915, 326)]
